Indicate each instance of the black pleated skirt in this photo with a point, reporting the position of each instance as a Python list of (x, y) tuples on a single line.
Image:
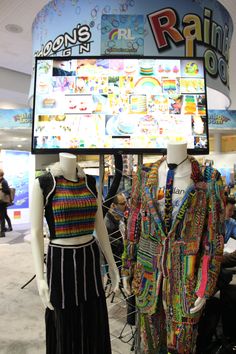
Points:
[(79, 322)]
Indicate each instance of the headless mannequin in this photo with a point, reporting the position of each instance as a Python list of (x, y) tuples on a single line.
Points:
[(68, 165), (176, 154)]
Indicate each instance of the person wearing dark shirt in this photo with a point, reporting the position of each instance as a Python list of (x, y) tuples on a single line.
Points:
[(228, 290), (230, 223), (4, 187), (220, 309), (8, 221), (114, 221), (229, 260)]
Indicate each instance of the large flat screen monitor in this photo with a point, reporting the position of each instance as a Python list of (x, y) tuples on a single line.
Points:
[(106, 105)]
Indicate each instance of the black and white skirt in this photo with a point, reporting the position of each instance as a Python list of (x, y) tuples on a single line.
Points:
[(79, 322)]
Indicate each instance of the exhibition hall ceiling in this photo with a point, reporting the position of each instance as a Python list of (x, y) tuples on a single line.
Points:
[(16, 18)]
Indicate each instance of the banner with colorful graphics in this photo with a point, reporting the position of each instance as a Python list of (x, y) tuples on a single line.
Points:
[(180, 28), (122, 34), (15, 165), (16, 171), (222, 119), (15, 118)]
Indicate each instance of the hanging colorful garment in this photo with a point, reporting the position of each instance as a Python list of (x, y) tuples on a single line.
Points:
[(171, 268)]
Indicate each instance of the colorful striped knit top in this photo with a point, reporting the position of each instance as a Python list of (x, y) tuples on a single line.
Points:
[(71, 209)]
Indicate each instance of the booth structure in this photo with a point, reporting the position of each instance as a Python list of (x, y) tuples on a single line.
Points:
[(136, 29), (127, 77), (131, 27)]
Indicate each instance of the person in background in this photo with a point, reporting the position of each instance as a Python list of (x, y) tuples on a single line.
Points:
[(230, 223), (4, 187), (228, 289), (8, 220), (224, 306), (228, 300), (227, 191), (114, 221)]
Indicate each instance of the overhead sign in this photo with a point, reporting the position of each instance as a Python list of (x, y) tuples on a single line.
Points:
[(221, 119), (15, 118), (136, 27), (122, 34)]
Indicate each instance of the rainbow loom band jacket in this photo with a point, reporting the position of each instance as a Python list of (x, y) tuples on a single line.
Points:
[(186, 261)]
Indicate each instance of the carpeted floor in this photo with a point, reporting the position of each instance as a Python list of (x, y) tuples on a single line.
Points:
[(21, 310), (21, 313)]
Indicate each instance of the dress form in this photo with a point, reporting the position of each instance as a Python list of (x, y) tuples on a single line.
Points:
[(68, 166), (176, 154)]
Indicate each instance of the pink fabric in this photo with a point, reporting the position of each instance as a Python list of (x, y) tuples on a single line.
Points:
[(202, 288)]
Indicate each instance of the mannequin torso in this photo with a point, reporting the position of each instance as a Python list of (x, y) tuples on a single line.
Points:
[(173, 261), (68, 166), (176, 154), (182, 181)]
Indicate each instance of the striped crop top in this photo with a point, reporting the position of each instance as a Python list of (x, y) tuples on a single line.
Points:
[(71, 209)]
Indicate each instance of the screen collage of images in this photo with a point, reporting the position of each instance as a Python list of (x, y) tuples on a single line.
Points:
[(119, 103)]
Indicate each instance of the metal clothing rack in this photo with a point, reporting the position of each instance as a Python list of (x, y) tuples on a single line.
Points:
[(29, 281), (133, 330), (131, 322), (34, 276), (131, 336)]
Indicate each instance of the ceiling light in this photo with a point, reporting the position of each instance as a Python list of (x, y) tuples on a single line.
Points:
[(19, 146), (11, 27), (6, 105)]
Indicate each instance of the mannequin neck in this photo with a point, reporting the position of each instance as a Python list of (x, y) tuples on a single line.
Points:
[(68, 164), (176, 153)]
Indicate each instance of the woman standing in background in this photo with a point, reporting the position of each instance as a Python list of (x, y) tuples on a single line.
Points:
[(4, 188)]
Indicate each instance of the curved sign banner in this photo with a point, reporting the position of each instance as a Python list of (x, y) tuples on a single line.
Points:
[(222, 119), (15, 118)]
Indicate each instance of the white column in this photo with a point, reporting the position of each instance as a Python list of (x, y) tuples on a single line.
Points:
[(218, 145)]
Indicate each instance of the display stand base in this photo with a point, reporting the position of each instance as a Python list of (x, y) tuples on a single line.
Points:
[(122, 336), (34, 276)]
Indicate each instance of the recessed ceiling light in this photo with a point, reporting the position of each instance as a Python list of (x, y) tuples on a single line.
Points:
[(11, 27), (19, 146)]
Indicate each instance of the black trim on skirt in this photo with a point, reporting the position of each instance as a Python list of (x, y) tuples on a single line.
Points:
[(79, 322)]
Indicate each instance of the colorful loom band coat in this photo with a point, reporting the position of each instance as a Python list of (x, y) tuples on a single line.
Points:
[(170, 271)]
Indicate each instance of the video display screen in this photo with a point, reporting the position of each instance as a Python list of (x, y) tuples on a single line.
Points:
[(98, 105)]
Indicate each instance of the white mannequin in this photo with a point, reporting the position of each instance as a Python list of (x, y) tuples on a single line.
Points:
[(68, 165), (176, 153)]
